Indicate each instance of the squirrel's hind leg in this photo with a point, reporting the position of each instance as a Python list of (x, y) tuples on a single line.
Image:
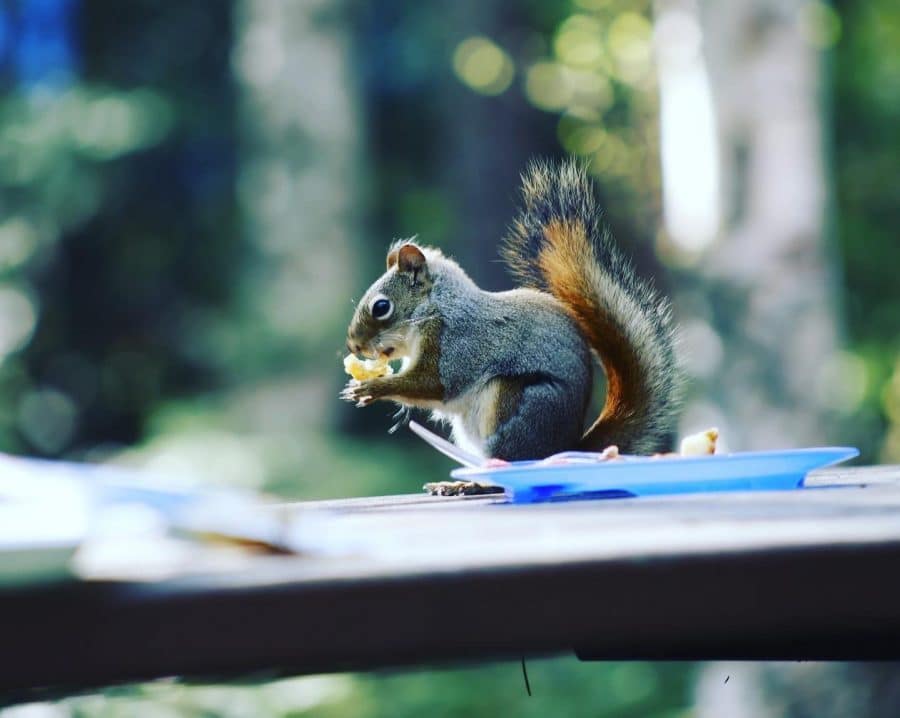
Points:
[(534, 417)]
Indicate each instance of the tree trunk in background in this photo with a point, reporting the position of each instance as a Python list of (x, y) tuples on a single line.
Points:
[(767, 288), (771, 299), (298, 187)]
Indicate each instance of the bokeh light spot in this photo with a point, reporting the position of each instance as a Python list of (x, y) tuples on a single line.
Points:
[(593, 5), (702, 348), (579, 42), (842, 382), (547, 86), (890, 397), (483, 65), (18, 239), (630, 44), (18, 316), (612, 158), (820, 24), (632, 681), (47, 419), (581, 139), (108, 125)]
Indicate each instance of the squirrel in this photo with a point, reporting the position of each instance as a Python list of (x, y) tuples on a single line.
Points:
[(512, 371)]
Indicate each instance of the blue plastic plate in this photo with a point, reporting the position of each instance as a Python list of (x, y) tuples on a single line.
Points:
[(531, 481)]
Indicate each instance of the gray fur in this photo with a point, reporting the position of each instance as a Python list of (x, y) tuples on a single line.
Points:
[(503, 334), (521, 334), (549, 420)]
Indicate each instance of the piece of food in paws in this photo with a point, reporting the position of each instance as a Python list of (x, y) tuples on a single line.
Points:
[(364, 369), (700, 444)]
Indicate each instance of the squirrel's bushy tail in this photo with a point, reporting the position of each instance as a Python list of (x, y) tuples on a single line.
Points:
[(558, 243)]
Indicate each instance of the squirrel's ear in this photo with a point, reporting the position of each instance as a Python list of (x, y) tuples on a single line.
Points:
[(392, 257), (409, 259)]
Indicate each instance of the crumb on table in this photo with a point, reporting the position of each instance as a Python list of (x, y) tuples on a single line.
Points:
[(461, 488), (700, 444)]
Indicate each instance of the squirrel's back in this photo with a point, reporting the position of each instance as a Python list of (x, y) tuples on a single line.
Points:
[(559, 244)]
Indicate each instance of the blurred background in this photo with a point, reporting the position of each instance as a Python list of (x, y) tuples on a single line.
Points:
[(193, 194)]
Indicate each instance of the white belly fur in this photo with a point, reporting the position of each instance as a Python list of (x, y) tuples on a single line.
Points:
[(472, 418)]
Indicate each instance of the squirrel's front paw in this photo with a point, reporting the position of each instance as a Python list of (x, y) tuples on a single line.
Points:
[(357, 392)]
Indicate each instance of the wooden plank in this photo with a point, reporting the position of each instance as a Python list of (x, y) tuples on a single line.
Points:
[(854, 475), (839, 602), (396, 501), (402, 539), (832, 476), (405, 535), (405, 580)]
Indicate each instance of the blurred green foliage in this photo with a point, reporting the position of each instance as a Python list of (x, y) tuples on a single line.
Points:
[(865, 158), (127, 282), (119, 242), (560, 686)]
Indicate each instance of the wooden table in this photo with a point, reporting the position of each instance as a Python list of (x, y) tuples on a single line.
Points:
[(404, 580)]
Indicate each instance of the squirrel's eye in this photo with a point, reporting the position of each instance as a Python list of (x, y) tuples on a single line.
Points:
[(382, 308)]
